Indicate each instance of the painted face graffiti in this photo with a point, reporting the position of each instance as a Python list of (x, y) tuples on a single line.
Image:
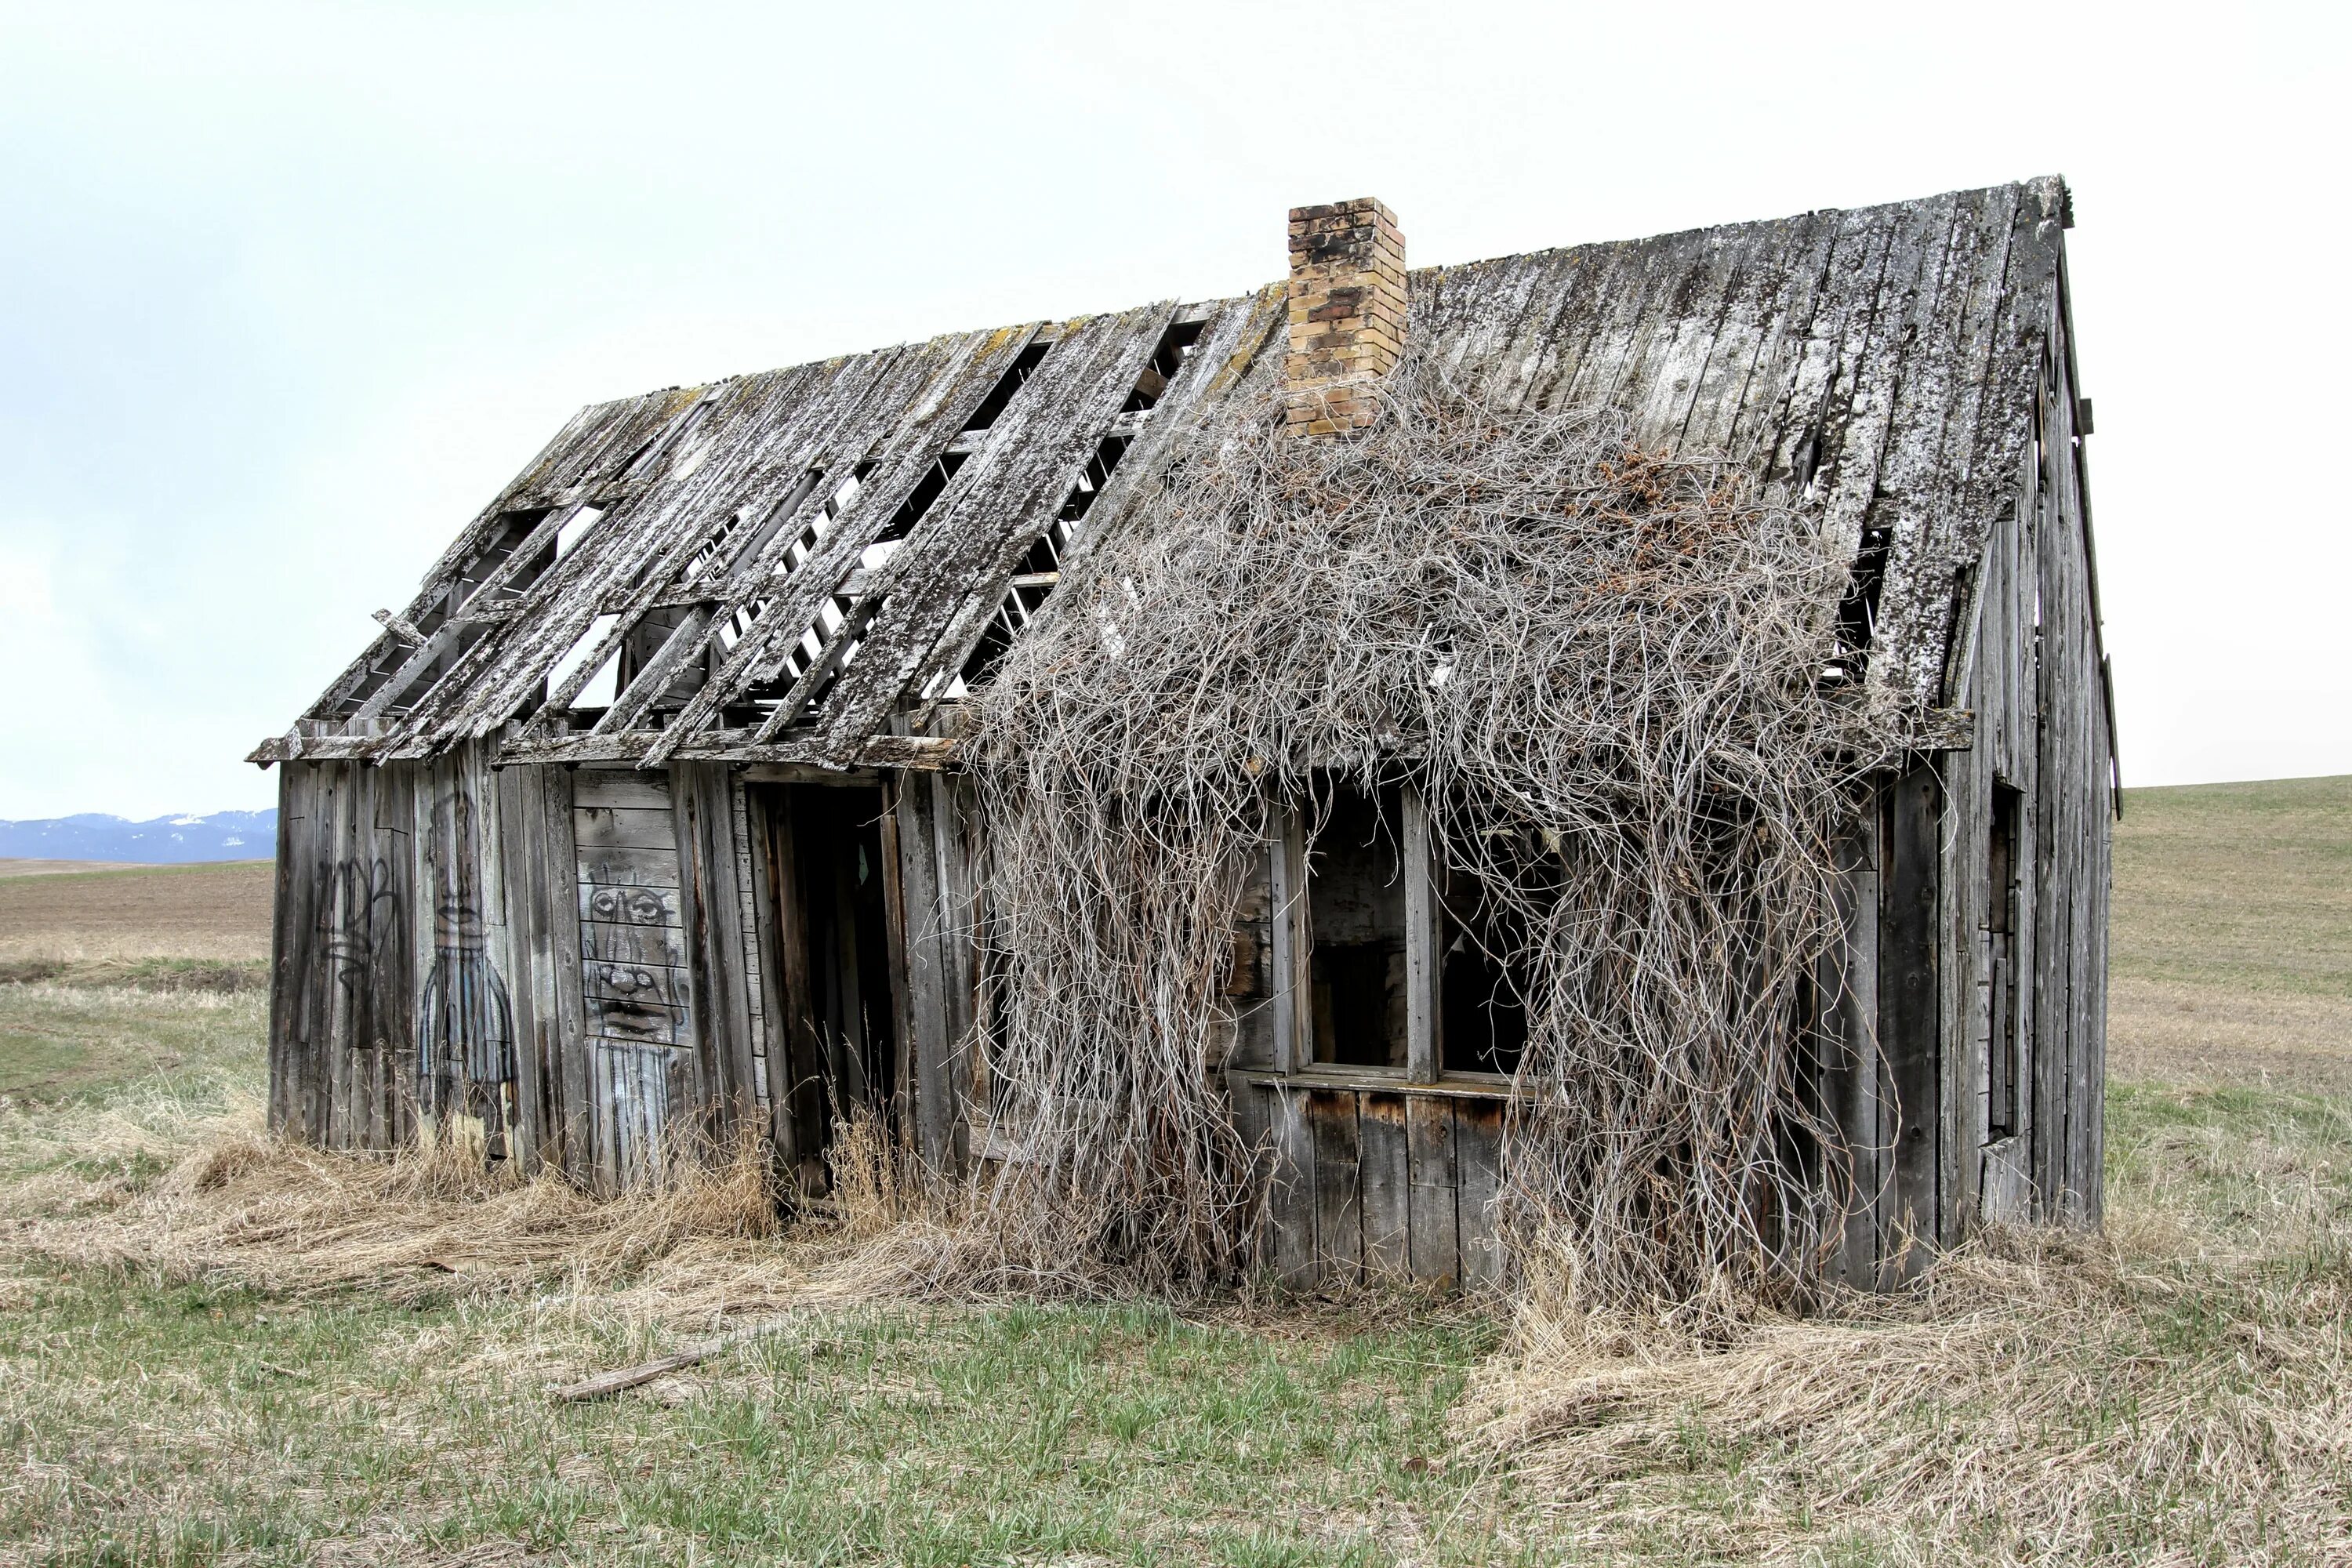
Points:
[(628, 965)]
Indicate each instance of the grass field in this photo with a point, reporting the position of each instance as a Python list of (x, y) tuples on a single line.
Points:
[(2178, 1393)]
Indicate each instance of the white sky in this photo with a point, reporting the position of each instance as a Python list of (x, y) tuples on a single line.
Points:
[(287, 293)]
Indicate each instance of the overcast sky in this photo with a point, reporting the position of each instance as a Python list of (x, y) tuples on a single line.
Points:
[(287, 293)]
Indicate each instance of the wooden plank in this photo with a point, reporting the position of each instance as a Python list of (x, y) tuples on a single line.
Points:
[(628, 867), (1331, 1118), (628, 904), (1289, 915), (519, 802), (1430, 1199), (1477, 1158), (924, 939), (759, 806), (1385, 1080), (723, 1084), (1910, 1006), (1252, 1111), (904, 1108), (730, 939), (610, 981), (1291, 1185), (341, 1039), (623, 943), (1385, 1178), (1849, 986), (293, 924), (596, 828), (572, 1113), (620, 789), (1425, 1047), (958, 1081), (638, 1022)]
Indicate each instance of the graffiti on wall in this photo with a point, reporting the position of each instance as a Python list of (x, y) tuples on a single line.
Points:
[(627, 964), (355, 920), (464, 1035)]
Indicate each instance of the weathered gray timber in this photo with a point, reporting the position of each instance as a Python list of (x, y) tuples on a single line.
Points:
[(640, 826)]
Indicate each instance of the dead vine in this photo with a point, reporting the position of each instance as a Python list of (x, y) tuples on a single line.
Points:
[(1602, 665)]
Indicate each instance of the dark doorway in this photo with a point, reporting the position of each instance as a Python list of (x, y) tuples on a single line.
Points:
[(831, 915)]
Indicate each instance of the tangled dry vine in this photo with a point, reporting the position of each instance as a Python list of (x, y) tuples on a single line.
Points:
[(1604, 668)]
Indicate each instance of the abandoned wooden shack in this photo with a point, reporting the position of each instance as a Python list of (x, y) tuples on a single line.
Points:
[(646, 812)]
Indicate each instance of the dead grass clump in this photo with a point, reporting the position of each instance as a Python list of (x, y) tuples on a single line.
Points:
[(289, 1218), (2040, 1397), (889, 1231), (1604, 670)]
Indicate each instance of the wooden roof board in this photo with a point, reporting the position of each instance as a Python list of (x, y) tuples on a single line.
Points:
[(1874, 366), (1019, 479), (903, 450), (1235, 335)]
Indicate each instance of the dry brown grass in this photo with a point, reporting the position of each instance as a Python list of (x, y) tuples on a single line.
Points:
[(242, 1208), (2044, 1397), (2175, 1031), (21, 868)]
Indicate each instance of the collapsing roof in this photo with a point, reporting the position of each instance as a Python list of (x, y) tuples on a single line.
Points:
[(805, 564)]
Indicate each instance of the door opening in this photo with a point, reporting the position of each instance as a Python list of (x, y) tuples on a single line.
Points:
[(831, 914)]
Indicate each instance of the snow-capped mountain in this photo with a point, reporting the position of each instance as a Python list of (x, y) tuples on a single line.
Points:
[(222, 835)]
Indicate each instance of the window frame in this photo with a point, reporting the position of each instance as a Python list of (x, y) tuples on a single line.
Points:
[(1293, 949)]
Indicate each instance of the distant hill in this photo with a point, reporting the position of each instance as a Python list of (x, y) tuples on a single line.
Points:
[(222, 835)]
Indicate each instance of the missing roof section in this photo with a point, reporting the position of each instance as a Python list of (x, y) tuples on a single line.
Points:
[(1041, 570), (451, 615), (597, 691), (927, 489), (575, 529), (934, 482), (1014, 378), (1857, 620), (739, 535)]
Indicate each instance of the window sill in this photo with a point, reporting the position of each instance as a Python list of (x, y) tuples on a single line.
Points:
[(1377, 1080)]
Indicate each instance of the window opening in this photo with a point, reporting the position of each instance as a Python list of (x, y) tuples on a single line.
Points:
[(2001, 1054), (1481, 996), (1356, 925)]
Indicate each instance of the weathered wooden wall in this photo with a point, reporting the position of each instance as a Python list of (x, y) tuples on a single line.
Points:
[(342, 1014), (568, 955), (1396, 1179), (1920, 895)]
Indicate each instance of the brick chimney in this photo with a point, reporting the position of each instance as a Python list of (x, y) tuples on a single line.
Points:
[(1347, 313)]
